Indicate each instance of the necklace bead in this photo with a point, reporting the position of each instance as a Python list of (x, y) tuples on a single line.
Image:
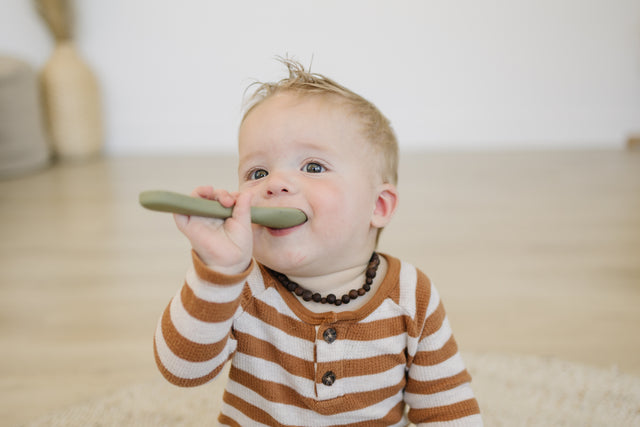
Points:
[(308, 295)]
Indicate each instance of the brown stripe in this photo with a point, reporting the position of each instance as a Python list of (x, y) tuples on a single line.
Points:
[(368, 398), (250, 410), (185, 348), (436, 386), (206, 311), (283, 394), (224, 420), (394, 293), (420, 326), (434, 321), (444, 413), (392, 417), (184, 382), (253, 412), (370, 331), (368, 366), (430, 358), (273, 317), (422, 296), (211, 276), (271, 390), (252, 346)]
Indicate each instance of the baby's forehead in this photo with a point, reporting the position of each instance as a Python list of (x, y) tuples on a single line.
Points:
[(296, 103), (258, 123), (328, 100)]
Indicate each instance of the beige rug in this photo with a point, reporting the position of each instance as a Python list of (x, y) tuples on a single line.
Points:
[(512, 391)]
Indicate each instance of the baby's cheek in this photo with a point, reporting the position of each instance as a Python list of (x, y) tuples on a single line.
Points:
[(335, 221), (258, 240), (329, 197)]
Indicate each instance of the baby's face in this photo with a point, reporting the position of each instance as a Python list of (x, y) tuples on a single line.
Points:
[(308, 153)]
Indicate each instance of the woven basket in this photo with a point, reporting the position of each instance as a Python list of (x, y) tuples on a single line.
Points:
[(23, 145)]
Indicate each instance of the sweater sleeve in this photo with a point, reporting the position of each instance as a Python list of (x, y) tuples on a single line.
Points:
[(194, 337), (438, 390)]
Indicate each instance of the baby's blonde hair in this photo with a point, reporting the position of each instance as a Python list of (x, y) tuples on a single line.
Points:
[(375, 126)]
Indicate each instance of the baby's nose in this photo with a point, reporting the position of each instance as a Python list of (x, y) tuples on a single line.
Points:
[(275, 190), (279, 184)]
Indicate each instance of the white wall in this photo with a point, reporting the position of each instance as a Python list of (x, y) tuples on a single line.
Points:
[(449, 74)]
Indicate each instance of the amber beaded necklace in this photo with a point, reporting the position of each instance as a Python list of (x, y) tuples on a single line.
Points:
[(307, 295)]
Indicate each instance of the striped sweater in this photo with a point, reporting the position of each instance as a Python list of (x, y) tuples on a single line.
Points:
[(293, 367)]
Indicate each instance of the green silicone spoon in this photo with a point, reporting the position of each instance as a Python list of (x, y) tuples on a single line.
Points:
[(167, 201)]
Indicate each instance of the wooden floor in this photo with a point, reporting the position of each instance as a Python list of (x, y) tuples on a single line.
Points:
[(533, 253)]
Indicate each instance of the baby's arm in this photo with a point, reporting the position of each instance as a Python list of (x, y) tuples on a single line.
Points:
[(193, 338), (438, 389)]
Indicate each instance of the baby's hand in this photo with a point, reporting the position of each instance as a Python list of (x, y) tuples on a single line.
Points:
[(224, 245)]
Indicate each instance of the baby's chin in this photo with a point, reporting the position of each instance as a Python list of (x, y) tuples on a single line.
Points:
[(287, 261)]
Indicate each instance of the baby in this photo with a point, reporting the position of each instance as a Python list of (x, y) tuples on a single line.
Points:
[(320, 329)]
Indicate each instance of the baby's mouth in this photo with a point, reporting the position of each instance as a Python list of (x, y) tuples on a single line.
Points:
[(279, 232), (279, 218)]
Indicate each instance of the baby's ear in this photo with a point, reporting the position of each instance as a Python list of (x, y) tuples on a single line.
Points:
[(386, 205)]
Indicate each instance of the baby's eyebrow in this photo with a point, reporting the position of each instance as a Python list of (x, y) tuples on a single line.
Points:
[(249, 160), (251, 156), (304, 149)]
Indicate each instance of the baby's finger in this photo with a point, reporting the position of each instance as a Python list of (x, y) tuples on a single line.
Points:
[(203, 191), (223, 196), (208, 192), (242, 208)]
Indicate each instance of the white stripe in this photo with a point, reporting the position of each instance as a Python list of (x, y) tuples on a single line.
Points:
[(239, 417), (256, 281), (210, 291), (443, 398), (363, 383), (434, 301), (450, 367), (272, 298), (438, 339), (284, 342), (408, 282), (293, 415), (194, 329), (387, 310), (358, 384), (350, 350), (470, 421), (270, 371), (185, 369), (412, 345)]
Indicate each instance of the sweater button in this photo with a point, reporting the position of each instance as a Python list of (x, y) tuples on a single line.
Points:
[(329, 378), (330, 335)]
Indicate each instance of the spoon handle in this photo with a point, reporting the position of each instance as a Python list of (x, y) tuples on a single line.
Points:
[(167, 201)]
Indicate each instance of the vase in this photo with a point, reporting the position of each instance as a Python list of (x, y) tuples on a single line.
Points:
[(71, 103)]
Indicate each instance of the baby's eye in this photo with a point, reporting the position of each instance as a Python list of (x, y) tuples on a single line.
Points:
[(258, 174), (313, 167)]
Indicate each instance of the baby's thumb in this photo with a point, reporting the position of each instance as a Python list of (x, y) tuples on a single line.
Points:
[(181, 221)]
